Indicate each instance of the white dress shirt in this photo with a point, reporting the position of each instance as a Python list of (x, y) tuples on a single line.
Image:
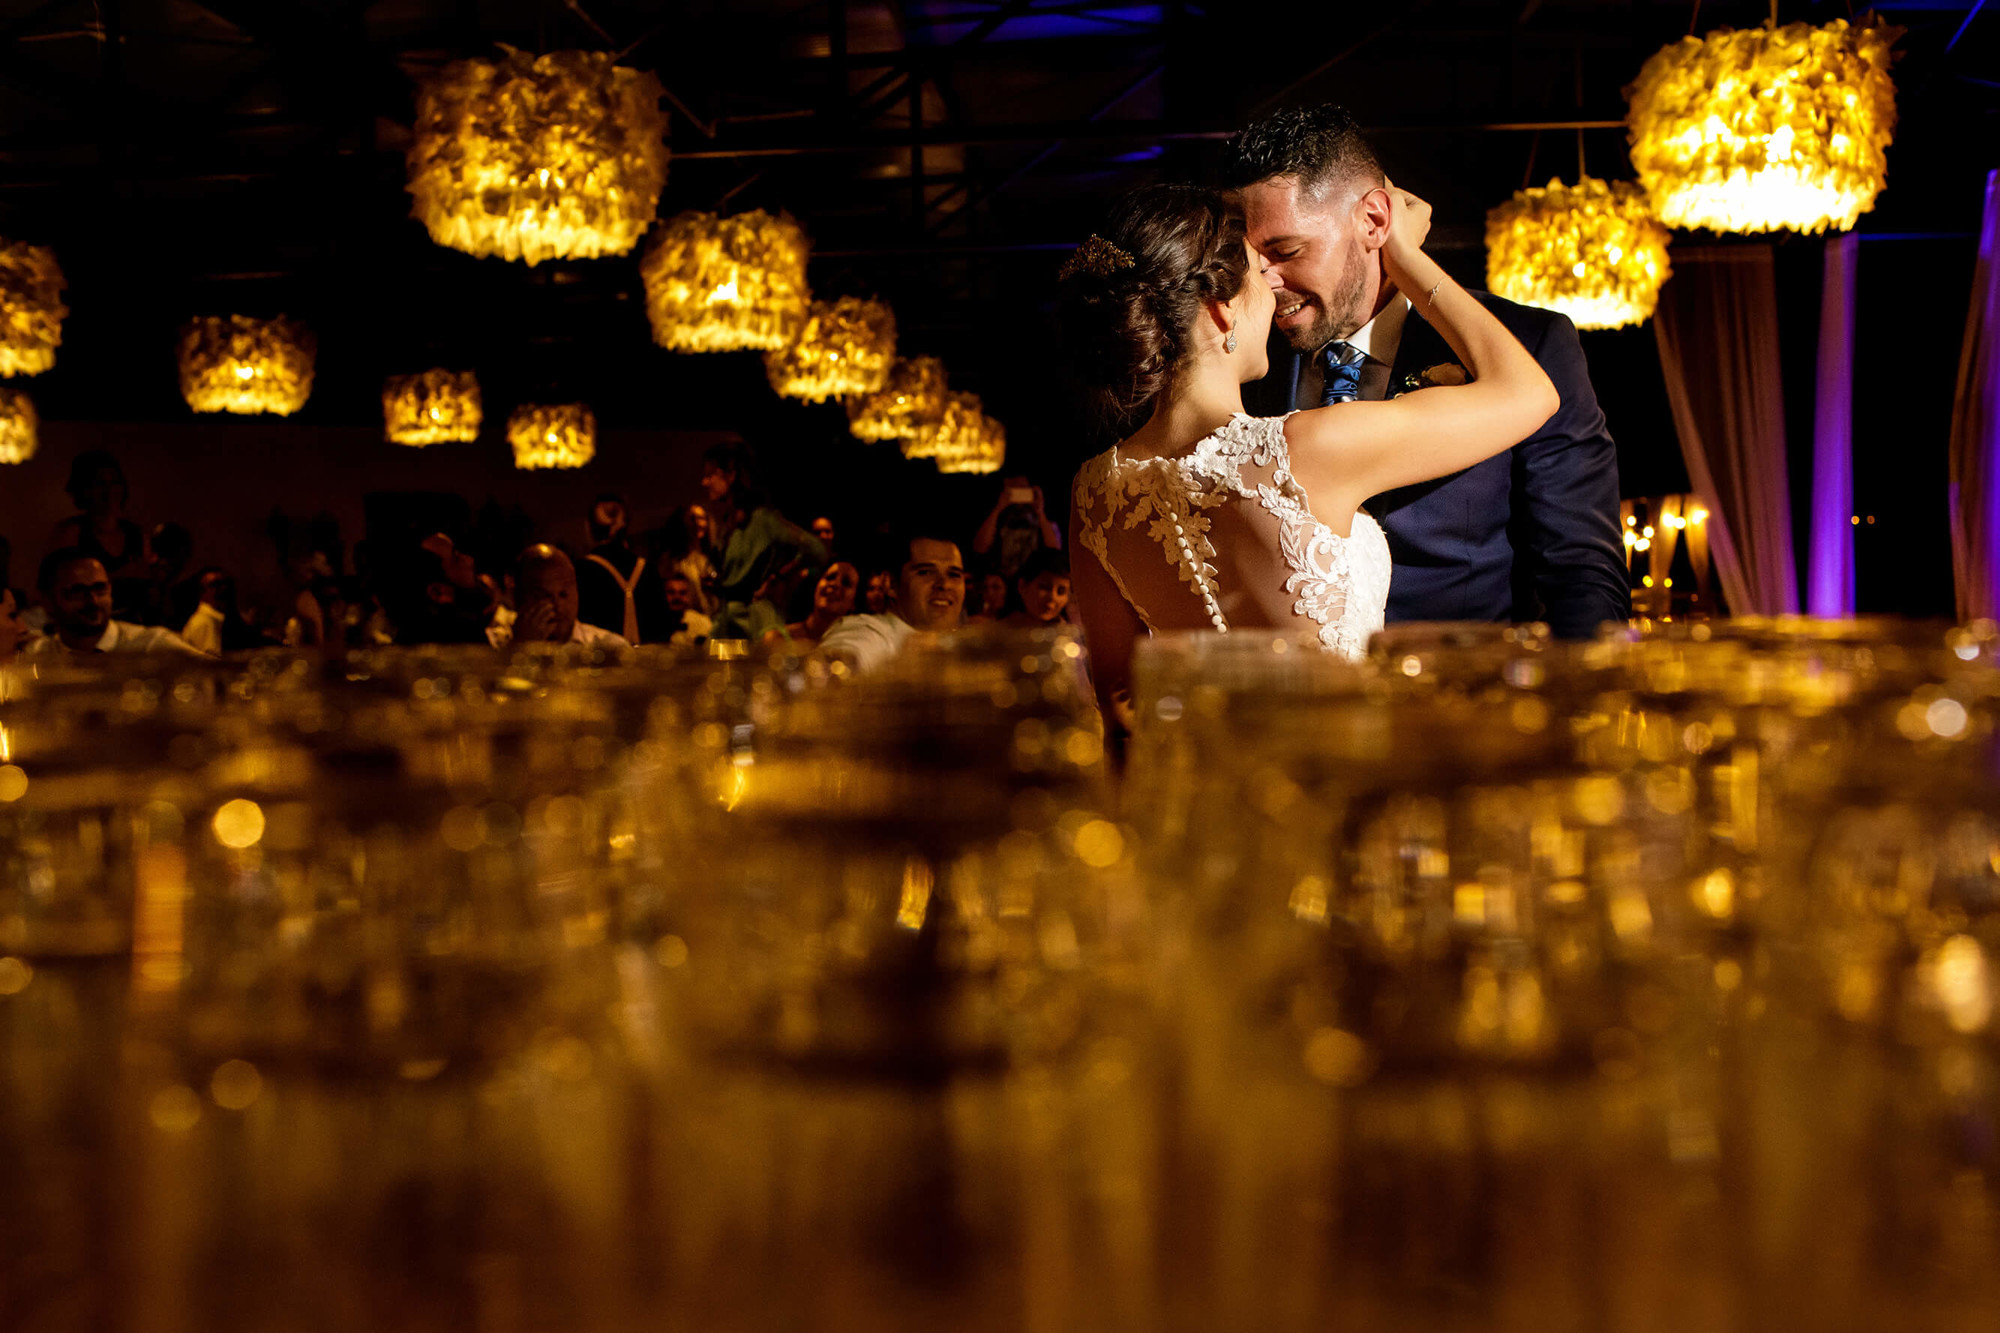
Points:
[(502, 636), (867, 643), (120, 636), (204, 629), (1378, 340)]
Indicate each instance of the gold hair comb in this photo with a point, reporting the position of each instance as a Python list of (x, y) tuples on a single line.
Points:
[(1097, 257)]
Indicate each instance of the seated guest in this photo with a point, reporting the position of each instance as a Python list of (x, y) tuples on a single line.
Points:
[(545, 605), (216, 625), (990, 602), (438, 596), (878, 592), (615, 585), (76, 589), (822, 528), (172, 596), (681, 544), (101, 528), (685, 623), (833, 599), (14, 632), (929, 600), (1041, 591)]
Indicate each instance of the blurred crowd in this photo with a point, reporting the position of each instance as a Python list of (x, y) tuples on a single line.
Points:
[(725, 565)]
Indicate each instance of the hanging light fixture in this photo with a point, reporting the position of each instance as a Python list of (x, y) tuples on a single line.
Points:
[(734, 284), (31, 308), (20, 431), (1768, 129), (962, 439), (913, 396), (552, 435), (845, 347), (1592, 251), (435, 407), (979, 451), (233, 363), (560, 156)]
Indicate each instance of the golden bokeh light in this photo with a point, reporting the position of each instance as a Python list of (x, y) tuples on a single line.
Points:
[(235, 1085), (559, 156), (1772, 128), (20, 428), (1592, 251), (727, 284), (844, 348), (435, 407), (239, 824), (552, 435), (233, 363), (913, 397), (31, 308)]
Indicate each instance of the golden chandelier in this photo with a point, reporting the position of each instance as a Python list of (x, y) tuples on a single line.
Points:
[(845, 348), (31, 308), (435, 407), (734, 284), (913, 397), (1592, 251), (1772, 128), (552, 435), (560, 156), (19, 429), (233, 363), (962, 439)]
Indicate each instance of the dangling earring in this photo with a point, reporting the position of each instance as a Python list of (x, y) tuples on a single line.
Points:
[(1229, 343)]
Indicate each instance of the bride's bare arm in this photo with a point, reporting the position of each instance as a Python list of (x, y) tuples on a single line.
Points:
[(1346, 453), (1110, 629)]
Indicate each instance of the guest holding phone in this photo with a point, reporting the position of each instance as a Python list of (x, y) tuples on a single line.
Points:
[(1018, 527)]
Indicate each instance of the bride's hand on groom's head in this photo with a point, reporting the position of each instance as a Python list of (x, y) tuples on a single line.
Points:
[(1409, 220)]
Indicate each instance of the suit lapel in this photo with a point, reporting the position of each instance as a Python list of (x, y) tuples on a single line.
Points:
[(1422, 347)]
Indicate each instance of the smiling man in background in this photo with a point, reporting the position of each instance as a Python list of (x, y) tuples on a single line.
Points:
[(76, 589), (929, 600)]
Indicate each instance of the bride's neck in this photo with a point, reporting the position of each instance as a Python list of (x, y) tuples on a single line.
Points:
[(1200, 403)]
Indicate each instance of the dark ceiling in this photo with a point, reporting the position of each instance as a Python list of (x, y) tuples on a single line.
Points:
[(246, 155)]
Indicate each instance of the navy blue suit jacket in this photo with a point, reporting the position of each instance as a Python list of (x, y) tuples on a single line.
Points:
[(1530, 534)]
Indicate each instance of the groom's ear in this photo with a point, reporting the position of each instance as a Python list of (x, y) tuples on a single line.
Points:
[(1371, 218)]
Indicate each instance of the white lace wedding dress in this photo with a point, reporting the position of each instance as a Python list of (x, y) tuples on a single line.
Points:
[(1221, 535)]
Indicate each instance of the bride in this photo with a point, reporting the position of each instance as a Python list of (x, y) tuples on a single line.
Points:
[(1207, 517)]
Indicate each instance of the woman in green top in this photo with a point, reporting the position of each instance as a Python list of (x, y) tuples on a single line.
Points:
[(760, 556)]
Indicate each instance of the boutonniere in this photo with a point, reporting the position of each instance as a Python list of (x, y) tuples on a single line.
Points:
[(1445, 373)]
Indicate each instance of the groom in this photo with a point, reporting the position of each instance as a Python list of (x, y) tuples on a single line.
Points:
[(1531, 534)]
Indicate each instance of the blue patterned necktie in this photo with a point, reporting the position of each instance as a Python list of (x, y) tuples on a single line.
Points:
[(1340, 363)]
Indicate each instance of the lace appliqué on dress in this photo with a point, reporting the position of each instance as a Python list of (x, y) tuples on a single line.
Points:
[(1168, 501), (1340, 583)]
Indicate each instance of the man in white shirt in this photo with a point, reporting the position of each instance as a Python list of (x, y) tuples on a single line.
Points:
[(688, 627), (76, 589), (204, 628), (929, 600), (545, 600)]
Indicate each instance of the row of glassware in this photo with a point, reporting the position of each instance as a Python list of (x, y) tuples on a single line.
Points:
[(1494, 982)]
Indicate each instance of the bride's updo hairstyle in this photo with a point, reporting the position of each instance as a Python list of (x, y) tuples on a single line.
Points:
[(1130, 298)]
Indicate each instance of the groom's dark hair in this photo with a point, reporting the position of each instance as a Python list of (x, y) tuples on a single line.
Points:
[(1316, 145)]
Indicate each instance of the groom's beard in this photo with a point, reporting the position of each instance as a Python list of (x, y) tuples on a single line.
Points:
[(1344, 312)]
